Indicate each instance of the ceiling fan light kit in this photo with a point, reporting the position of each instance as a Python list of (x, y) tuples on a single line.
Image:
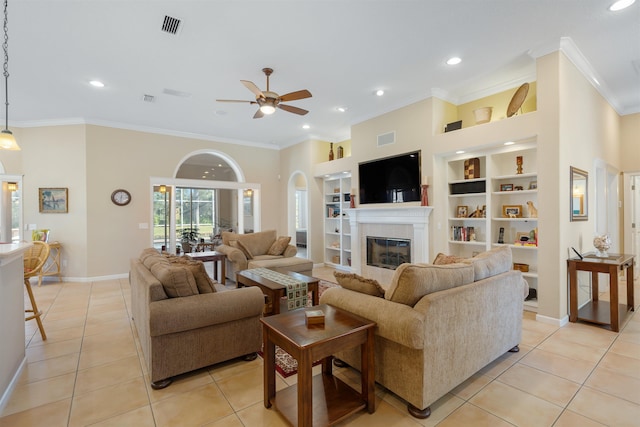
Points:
[(268, 101)]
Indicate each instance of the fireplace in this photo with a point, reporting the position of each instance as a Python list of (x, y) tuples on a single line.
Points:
[(409, 223), (384, 252)]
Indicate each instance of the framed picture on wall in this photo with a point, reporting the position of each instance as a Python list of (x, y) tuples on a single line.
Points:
[(53, 200)]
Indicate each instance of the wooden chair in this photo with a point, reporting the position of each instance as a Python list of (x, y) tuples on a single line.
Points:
[(34, 259)]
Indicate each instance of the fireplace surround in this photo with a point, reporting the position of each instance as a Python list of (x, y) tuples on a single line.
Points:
[(406, 222)]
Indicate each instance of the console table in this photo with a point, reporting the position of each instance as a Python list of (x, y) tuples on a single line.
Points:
[(601, 312), (52, 266)]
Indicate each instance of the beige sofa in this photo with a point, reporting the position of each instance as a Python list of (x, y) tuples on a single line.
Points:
[(261, 249), (436, 324), (186, 321)]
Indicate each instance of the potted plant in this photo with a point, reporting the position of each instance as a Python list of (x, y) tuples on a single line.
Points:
[(188, 238)]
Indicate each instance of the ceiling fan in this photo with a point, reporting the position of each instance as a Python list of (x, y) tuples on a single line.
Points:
[(269, 101)]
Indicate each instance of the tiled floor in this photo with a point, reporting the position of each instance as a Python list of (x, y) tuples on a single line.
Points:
[(90, 372)]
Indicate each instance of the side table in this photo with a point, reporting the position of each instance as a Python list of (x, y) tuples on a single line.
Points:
[(594, 311), (324, 399), (52, 266), (215, 257)]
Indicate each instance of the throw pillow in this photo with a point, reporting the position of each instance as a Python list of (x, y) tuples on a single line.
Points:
[(239, 245), (176, 280), (442, 259), (279, 245), (359, 284), (491, 263), (204, 283), (412, 281)]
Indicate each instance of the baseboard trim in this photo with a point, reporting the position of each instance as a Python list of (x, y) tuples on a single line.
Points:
[(12, 384)]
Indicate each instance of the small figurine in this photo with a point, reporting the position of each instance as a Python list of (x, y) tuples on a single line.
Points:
[(533, 211)]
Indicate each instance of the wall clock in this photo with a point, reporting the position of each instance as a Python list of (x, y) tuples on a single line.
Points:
[(121, 197)]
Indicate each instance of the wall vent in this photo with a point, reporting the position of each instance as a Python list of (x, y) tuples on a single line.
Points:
[(148, 98), (171, 25), (387, 138)]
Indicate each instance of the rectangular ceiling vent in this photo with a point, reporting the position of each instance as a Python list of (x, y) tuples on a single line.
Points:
[(171, 25), (148, 98), (387, 138)]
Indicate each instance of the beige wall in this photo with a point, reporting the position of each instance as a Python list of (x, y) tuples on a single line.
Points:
[(630, 137), (99, 237)]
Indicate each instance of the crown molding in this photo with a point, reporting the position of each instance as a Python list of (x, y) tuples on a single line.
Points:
[(567, 46), (146, 129)]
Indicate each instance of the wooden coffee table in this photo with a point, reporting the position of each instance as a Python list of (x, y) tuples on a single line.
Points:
[(275, 291), (324, 399), (216, 257)]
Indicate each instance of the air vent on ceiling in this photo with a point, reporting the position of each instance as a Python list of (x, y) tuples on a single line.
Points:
[(174, 92), (171, 25), (148, 98), (387, 138)]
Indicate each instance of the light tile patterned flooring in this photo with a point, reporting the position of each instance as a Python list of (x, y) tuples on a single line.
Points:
[(90, 372)]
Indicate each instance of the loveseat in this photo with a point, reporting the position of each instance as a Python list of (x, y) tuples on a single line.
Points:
[(262, 249), (436, 324), (185, 320)]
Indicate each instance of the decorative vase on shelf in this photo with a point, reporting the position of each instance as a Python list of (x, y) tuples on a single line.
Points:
[(331, 151), (602, 244)]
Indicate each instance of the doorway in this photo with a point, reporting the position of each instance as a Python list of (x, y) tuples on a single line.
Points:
[(298, 212), (632, 217)]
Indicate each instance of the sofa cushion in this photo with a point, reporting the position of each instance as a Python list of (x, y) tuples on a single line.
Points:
[(259, 243), (151, 260), (358, 283), (204, 283), (239, 245), (442, 259), (491, 263), (176, 280), (413, 281), (279, 245)]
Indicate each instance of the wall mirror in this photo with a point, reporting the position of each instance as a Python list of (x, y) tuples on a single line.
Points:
[(579, 194)]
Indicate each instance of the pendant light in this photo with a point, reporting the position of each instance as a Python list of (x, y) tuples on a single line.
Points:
[(7, 140)]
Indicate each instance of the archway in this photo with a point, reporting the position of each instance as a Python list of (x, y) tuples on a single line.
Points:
[(207, 195), (298, 211)]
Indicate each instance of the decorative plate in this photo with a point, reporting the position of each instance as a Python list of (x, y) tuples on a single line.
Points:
[(518, 99)]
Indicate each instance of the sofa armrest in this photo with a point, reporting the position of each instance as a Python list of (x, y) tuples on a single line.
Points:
[(234, 255), (290, 251), (394, 321), (182, 314)]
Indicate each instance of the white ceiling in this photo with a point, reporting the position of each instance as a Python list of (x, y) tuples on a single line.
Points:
[(341, 51)]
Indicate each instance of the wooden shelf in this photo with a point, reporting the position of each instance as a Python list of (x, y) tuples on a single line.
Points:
[(333, 401)]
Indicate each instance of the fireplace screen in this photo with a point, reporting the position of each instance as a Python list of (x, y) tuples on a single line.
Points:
[(383, 252)]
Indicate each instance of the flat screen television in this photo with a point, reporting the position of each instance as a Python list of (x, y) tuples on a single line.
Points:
[(390, 180)]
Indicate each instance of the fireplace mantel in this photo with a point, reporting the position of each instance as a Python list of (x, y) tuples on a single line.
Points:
[(415, 216)]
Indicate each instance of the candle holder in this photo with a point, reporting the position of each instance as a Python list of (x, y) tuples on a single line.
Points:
[(352, 201)]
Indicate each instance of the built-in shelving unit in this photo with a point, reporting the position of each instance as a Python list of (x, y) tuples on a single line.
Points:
[(337, 238), (497, 206)]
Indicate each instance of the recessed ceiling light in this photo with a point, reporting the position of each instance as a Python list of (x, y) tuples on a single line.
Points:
[(341, 109), (305, 126), (96, 83), (379, 92), (621, 4), (454, 60), (509, 143), (460, 152)]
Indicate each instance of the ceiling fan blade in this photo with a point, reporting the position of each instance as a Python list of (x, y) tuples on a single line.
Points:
[(259, 114), (235, 100), (292, 96), (292, 109), (253, 88)]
